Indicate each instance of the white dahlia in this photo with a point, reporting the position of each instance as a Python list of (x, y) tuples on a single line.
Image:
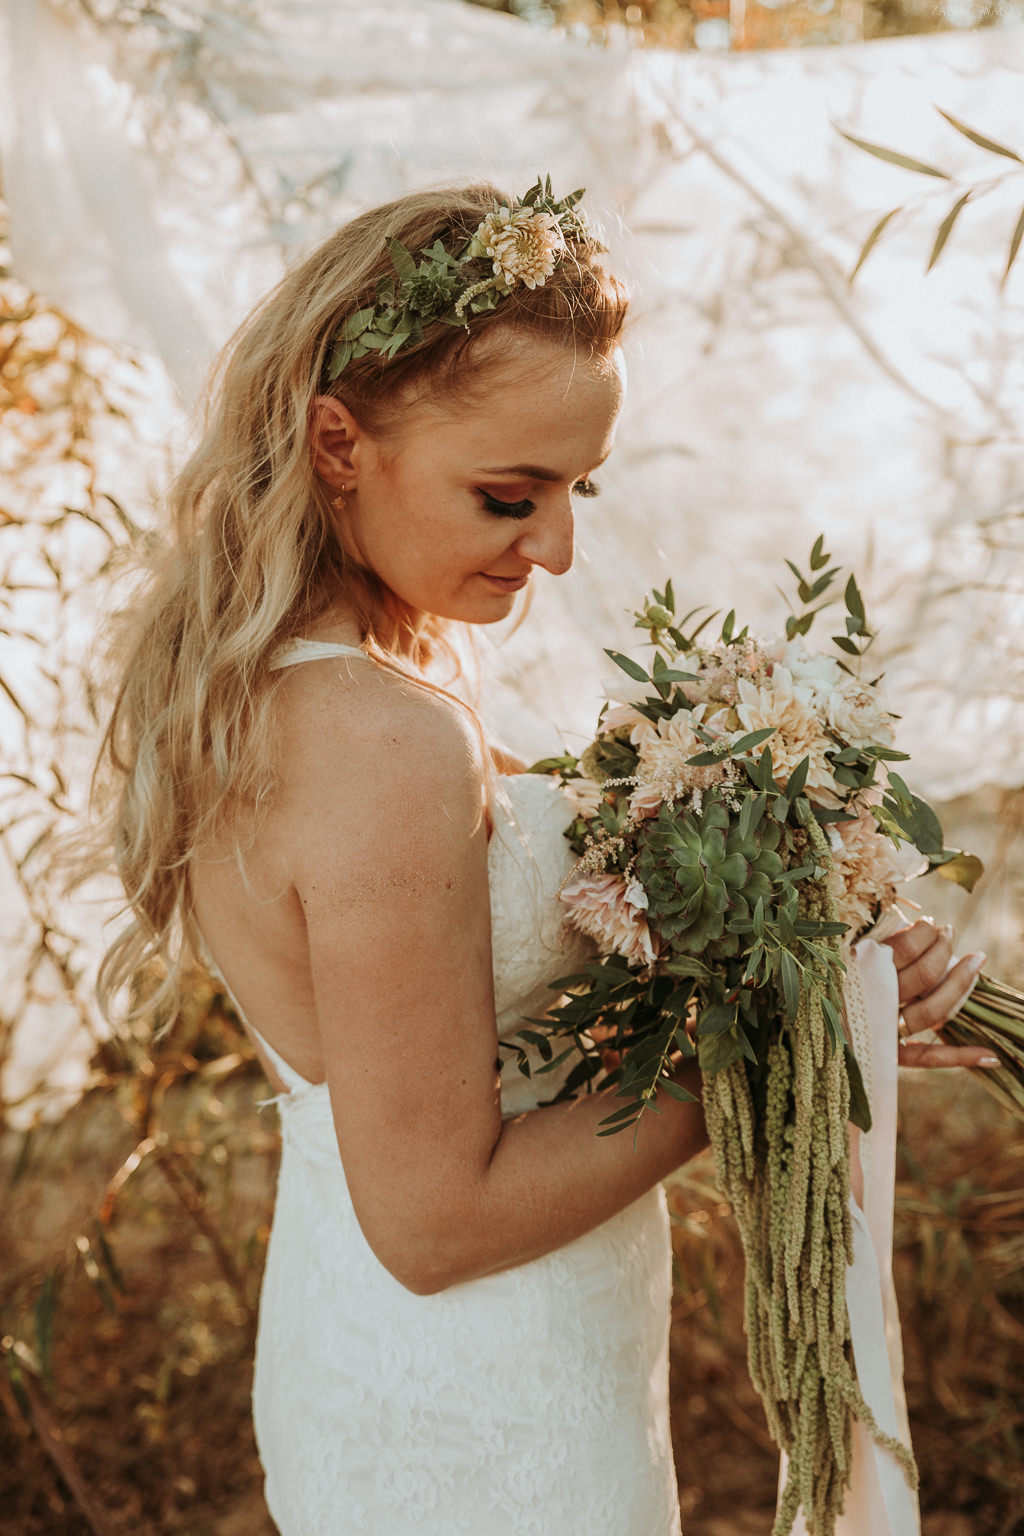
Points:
[(665, 748), (523, 244), (789, 708), (610, 909), (866, 870), (856, 715)]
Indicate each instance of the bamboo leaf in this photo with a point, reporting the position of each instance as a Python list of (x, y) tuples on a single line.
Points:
[(1018, 235), (893, 157), (979, 138), (873, 239), (945, 229)]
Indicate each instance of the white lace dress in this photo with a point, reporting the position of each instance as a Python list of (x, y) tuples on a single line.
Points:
[(528, 1403)]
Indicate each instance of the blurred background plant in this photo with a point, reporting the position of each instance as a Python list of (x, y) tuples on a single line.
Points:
[(720, 24), (137, 1204)]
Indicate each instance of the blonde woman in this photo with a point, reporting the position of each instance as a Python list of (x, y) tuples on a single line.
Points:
[(464, 1315)]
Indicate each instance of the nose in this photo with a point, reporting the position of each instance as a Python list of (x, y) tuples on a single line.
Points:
[(547, 539)]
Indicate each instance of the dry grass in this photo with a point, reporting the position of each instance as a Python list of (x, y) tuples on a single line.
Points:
[(135, 1230)]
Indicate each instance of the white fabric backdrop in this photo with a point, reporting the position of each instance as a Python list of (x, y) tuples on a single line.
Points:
[(159, 176)]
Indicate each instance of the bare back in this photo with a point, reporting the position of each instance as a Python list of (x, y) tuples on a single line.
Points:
[(250, 911)]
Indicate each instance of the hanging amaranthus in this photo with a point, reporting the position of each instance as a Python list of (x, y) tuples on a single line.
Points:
[(739, 817), (788, 1181)]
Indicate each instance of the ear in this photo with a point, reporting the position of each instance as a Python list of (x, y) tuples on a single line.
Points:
[(335, 438)]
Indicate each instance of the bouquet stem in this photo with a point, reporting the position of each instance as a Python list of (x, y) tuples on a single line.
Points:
[(993, 1017)]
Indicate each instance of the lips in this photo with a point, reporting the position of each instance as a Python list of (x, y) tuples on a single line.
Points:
[(507, 583)]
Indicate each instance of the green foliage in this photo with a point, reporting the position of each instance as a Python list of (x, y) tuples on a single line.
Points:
[(440, 288), (735, 880), (736, 903), (975, 191)]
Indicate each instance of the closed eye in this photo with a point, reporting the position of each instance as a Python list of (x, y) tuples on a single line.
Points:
[(525, 507), (506, 508)]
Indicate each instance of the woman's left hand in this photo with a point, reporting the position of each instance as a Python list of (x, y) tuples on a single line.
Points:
[(931, 990)]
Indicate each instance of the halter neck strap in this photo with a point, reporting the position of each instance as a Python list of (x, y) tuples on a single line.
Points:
[(292, 652)]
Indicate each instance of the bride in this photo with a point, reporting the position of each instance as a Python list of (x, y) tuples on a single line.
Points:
[(464, 1316)]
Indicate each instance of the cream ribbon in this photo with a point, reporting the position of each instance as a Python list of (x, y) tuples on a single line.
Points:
[(879, 1501)]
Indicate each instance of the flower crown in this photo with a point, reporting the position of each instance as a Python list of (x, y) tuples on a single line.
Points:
[(518, 244)]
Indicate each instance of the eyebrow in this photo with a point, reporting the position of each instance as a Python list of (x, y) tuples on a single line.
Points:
[(531, 471)]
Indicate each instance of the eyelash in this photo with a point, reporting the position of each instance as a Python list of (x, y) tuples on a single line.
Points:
[(522, 509)]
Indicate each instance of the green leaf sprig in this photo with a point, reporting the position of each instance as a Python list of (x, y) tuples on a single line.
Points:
[(922, 168)]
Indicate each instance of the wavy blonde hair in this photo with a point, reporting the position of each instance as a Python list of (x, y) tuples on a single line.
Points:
[(251, 558)]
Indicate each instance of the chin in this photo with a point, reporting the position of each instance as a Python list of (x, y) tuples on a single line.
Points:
[(490, 609)]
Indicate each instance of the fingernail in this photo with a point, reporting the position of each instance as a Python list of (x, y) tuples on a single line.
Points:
[(947, 929), (975, 962), (990, 1061)]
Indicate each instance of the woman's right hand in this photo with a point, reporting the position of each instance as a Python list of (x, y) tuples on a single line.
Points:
[(931, 989)]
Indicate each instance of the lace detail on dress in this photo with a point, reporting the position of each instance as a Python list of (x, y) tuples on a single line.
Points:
[(528, 1403)]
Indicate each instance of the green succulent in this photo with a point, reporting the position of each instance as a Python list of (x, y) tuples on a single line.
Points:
[(701, 874), (431, 290)]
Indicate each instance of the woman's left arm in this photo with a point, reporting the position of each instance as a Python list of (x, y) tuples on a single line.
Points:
[(931, 991)]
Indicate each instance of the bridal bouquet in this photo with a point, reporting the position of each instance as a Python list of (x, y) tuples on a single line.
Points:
[(740, 823)]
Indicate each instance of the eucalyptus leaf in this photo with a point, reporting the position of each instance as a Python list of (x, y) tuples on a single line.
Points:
[(631, 668), (964, 869), (402, 260), (753, 739), (341, 356), (797, 779), (860, 1106), (790, 975), (716, 1052), (676, 1091), (356, 323), (716, 1019), (627, 1111)]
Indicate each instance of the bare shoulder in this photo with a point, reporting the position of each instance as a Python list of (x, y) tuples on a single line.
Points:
[(369, 760)]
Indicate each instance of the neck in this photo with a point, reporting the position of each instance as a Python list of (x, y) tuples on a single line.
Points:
[(375, 613)]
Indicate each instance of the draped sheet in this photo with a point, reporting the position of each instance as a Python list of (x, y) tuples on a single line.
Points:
[(160, 174)]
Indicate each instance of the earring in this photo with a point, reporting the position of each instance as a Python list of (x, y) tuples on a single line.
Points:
[(339, 501)]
